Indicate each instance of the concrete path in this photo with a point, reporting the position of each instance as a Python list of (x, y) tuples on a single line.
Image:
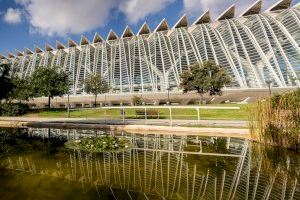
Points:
[(132, 126), (161, 122)]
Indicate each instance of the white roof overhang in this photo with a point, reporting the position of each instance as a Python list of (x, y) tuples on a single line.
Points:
[(227, 14), (253, 9), (204, 18)]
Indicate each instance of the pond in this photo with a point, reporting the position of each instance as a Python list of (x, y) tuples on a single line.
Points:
[(36, 164)]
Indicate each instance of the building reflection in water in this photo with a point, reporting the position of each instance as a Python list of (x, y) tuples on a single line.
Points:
[(169, 167)]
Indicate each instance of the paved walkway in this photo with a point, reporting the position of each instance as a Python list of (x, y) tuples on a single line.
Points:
[(161, 122), (179, 127)]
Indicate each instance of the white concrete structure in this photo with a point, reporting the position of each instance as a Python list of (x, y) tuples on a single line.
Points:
[(254, 48)]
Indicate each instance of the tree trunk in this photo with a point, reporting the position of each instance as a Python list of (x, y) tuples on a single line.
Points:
[(95, 101), (201, 98), (49, 102)]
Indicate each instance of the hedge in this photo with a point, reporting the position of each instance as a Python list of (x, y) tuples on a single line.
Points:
[(13, 109)]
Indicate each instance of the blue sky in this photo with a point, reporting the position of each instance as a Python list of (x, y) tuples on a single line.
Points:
[(26, 23)]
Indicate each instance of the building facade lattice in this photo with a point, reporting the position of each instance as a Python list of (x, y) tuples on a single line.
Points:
[(254, 48)]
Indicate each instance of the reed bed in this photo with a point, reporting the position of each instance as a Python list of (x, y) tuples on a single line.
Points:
[(276, 121)]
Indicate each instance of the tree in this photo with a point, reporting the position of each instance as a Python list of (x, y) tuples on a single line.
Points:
[(204, 78), (49, 82), (22, 90), (6, 84), (95, 84)]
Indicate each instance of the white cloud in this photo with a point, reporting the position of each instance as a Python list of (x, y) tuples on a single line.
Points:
[(136, 10), (13, 16), (62, 17), (197, 7)]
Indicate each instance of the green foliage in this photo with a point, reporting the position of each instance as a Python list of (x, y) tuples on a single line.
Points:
[(14, 109), (6, 84), (276, 120), (137, 100), (203, 78), (95, 84), (22, 90), (49, 82), (100, 144)]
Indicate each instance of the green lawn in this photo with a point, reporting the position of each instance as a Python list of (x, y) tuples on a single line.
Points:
[(163, 113)]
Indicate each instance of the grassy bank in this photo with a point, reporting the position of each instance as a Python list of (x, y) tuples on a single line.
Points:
[(187, 114)]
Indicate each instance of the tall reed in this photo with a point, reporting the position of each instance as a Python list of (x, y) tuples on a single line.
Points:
[(276, 120)]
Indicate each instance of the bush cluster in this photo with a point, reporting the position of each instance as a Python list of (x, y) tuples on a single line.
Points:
[(13, 109), (137, 100), (43, 82)]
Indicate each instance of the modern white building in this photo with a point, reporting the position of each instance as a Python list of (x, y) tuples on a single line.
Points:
[(255, 48)]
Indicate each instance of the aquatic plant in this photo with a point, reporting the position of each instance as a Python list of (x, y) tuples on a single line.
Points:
[(100, 144), (276, 120)]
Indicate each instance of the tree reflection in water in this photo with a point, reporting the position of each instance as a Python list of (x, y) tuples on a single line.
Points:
[(160, 167)]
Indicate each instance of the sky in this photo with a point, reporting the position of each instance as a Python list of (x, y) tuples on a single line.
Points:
[(30, 23)]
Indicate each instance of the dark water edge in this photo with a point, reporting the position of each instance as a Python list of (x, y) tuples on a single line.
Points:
[(35, 164)]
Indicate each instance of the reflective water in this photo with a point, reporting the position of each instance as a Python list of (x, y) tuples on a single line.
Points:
[(34, 164)]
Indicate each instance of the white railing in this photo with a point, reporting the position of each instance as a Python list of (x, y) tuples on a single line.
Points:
[(143, 111)]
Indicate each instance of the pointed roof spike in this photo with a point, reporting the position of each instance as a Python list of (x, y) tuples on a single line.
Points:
[(59, 45), (282, 4), (182, 22), (11, 55), (48, 47), (112, 36), (204, 18), (2, 57), (162, 26), (97, 38), (253, 9), (127, 33), (28, 51), (71, 43), (19, 53), (84, 40), (227, 14), (144, 30), (38, 49)]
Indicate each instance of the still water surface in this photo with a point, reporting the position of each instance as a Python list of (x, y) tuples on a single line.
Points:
[(35, 164)]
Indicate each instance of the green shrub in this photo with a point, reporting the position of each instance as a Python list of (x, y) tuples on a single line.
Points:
[(137, 101), (13, 109)]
